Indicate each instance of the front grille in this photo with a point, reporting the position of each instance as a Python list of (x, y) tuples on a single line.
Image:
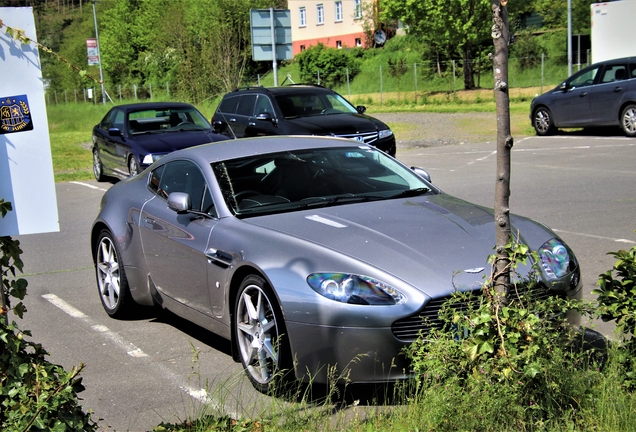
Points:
[(422, 322), (365, 137)]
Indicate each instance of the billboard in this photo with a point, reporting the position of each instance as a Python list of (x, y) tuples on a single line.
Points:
[(26, 167)]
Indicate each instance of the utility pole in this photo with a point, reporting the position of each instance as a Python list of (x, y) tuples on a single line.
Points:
[(99, 54)]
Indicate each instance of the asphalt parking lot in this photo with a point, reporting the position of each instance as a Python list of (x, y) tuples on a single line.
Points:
[(159, 368)]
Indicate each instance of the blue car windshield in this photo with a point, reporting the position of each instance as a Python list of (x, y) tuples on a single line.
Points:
[(166, 120), (300, 179)]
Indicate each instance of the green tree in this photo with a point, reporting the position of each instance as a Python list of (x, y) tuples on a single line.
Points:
[(327, 64), (452, 27)]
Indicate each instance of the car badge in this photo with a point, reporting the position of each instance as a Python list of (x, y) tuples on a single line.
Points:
[(360, 139), (474, 270)]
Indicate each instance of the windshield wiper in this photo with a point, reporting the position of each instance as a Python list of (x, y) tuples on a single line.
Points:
[(342, 199), (411, 193)]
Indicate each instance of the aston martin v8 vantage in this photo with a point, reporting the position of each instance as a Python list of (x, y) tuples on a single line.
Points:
[(305, 252)]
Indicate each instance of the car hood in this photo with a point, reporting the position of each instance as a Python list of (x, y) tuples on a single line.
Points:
[(430, 242), (338, 124), (170, 141)]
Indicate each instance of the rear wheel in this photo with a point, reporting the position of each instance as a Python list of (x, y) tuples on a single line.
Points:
[(98, 167), (542, 122), (261, 341), (111, 278), (133, 166), (628, 120)]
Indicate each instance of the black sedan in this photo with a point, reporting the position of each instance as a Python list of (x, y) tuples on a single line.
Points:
[(131, 137), (603, 94)]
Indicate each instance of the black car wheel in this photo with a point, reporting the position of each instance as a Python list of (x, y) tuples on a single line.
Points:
[(628, 120), (98, 167), (133, 166), (111, 278), (261, 341), (542, 122)]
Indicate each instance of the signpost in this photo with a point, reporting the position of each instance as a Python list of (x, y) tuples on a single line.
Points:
[(271, 36)]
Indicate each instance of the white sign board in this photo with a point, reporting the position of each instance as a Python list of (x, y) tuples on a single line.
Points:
[(261, 22), (26, 168)]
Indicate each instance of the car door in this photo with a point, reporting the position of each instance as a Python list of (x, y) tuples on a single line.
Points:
[(175, 245), (111, 147), (573, 105), (606, 97), (263, 121)]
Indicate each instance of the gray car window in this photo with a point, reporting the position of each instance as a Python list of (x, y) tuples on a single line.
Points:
[(616, 72), (246, 105), (183, 176), (584, 79), (263, 106)]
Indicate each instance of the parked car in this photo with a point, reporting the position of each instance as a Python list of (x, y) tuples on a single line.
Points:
[(298, 110), (131, 137), (603, 94), (305, 252)]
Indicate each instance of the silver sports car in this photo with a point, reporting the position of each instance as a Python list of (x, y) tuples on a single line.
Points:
[(307, 253)]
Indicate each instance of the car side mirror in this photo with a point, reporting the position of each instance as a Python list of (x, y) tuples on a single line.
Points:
[(564, 86), (179, 202), (217, 126), (114, 132), (422, 173), (264, 116), (361, 109)]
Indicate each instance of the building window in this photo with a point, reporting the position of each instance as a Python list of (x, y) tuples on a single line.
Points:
[(303, 17), (338, 44), (358, 42), (302, 48), (338, 11), (357, 9), (320, 14)]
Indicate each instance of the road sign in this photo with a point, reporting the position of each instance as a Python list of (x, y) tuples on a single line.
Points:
[(268, 32)]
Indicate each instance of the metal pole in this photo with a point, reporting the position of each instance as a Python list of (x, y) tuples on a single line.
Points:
[(415, 80), (275, 66), (569, 37), (348, 85), (380, 85), (99, 53)]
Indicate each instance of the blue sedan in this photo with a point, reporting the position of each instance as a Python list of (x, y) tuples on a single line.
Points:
[(131, 137)]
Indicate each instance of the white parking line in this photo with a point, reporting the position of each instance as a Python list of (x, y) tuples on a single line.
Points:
[(596, 237), (90, 186), (201, 395)]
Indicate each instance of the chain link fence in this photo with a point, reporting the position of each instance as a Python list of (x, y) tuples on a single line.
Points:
[(416, 82)]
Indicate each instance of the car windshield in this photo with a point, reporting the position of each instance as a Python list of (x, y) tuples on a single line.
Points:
[(302, 179), (176, 119), (308, 103)]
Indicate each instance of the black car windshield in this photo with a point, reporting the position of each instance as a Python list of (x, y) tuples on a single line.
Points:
[(308, 103), (301, 179), (166, 120)]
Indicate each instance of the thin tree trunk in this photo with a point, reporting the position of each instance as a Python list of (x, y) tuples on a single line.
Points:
[(501, 37)]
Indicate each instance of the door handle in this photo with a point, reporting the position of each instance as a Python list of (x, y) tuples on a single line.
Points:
[(617, 89), (232, 120), (252, 124), (583, 94)]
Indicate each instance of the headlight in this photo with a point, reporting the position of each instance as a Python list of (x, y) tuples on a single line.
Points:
[(555, 259), (150, 158), (385, 133), (354, 289)]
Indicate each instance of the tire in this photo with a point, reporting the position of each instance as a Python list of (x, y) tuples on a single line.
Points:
[(133, 166), (542, 122), (628, 120), (260, 336), (98, 167), (111, 278)]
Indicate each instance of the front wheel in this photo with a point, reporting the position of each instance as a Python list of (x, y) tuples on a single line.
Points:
[(111, 278), (628, 120), (260, 338), (543, 122)]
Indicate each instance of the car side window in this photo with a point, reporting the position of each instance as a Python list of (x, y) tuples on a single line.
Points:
[(632, 70), (106, 121), (228, 105), (246, 105), (616, 72), (118, 120), (183, 176), (584, 79), (263, 106)]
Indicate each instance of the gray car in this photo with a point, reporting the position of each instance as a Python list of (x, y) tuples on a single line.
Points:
[(307, 253), (603, 94)]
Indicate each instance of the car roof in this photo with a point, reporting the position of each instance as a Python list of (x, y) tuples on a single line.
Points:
[(284, 90), (243, 147), (152, 105), (617, 60)]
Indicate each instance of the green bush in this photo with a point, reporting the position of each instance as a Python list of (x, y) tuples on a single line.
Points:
[(34, 393), (328, 66)]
